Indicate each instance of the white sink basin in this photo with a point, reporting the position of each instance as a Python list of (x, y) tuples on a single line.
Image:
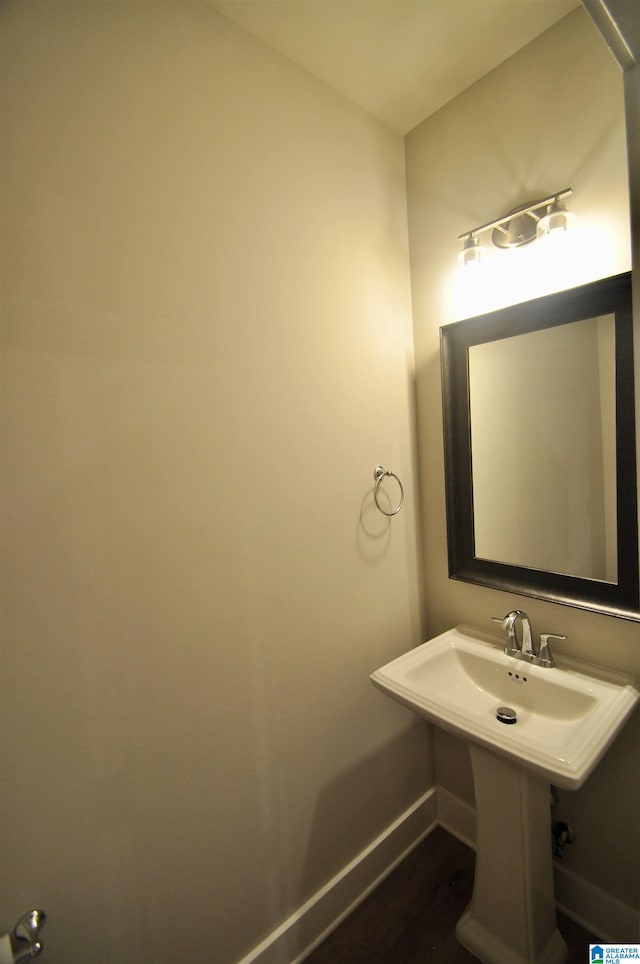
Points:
[(567, 716)]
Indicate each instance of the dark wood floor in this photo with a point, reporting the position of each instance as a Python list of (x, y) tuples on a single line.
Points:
[(411, 917)]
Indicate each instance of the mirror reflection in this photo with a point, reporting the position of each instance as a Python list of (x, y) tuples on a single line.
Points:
[(543, 449)]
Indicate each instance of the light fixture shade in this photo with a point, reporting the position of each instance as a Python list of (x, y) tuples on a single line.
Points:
[(472, 251), (556, 220)]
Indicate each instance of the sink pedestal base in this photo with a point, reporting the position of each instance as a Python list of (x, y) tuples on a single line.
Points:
[(512, 915)]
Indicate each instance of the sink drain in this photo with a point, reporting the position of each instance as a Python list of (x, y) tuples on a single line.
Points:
[(506, 715)]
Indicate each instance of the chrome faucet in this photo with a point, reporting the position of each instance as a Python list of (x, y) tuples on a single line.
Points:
[(510, 624), (524, 647)]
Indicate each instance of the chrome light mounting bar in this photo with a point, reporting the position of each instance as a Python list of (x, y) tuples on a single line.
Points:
[(519, 226)]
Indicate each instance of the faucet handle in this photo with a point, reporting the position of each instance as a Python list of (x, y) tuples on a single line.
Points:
[(508, 623), (544, 654), (505, 623)]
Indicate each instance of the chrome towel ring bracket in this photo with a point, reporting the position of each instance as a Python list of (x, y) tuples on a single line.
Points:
[(379, 473)]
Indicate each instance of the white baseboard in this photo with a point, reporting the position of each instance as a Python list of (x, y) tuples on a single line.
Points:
[(457, 817), (308, 926), (606, 917)]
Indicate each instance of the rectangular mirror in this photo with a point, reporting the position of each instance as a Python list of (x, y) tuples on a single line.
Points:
[(540, 448)]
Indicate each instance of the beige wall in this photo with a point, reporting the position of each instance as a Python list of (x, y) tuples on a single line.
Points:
[(550, 117), (207, 348)]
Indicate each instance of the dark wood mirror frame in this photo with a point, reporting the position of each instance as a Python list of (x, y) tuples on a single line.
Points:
[(610, 296)]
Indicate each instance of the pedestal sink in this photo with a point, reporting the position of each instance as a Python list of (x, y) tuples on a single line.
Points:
[(565, 720)]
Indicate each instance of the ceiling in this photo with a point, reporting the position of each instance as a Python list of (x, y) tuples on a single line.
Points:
[(400, 60)]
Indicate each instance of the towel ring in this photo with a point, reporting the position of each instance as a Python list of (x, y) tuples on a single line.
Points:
[(379, 474)]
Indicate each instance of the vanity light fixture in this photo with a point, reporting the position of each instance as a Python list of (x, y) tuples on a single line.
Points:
[(472, 251), (557, 219), (536, 219)]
